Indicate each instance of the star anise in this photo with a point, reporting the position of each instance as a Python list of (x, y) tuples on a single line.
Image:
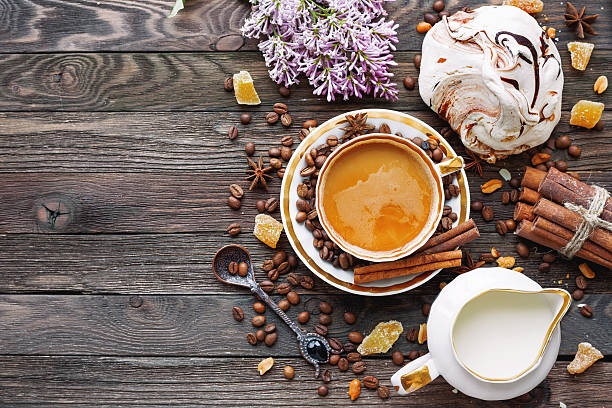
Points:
[(579, 21), (357, 125), (475, 163), (258, 173)]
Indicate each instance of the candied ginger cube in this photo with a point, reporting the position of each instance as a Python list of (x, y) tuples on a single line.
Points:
[(586, 356), (529, 6), (381, 338), (580, 53), (244, 89), (586, 113), (267, 230)]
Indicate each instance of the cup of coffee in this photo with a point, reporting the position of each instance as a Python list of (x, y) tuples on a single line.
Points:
[(380, 197)]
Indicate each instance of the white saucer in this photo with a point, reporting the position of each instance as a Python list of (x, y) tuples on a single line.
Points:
[(301, 239), (444, 308)]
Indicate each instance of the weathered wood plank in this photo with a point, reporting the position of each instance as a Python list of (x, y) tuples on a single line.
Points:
[(181, 263), (151, 381), (203, 325), (194, 81), (203, 25), (61, 142)]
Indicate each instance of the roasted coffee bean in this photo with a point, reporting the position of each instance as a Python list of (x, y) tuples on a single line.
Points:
[(232, 132), (271, 339), (544, 267), (353, 357), (398, 358), (321, 330), (453, 216), (383, 392), (412, 334), (446, 223), (293, 279), (260, 335), (233, 202), (258, 321), (228, 84), (259, 307), (270, 328), (487, 257), (284, 305), (283, 268), (279, 257), (274, 152), (312, 214), (349, 347), (446, 210), (276, 163), (437, 155), (249, 148), (272, 204), (550, 258), (280, 108), (307, 282), (369, 381), (310, 123), (286, 119), (349, 318), (438, 5), (322, 390), (578, 294), (303, 317), (333, 359), (561, 165), (319, 161), (243, 269), (272, 118), (510, 225), (286, 153), (431, 18), (476, 205), (267, 286), (236, 191), (515, 182), (293, 298), (581, 282), (245, 118), (335, 344), (586, 311), (237, 313), (303, 133), (267, 265), (343, 261), (522, 250), (343, 364), (574, 151), (325, 319), (514, 195), (425, 309), (302, 205), (500, 227), (487, 213), (355, 337), (324, 253), (326, 376), (417, 61), (287, 141), (292, 259), (413, 355), (505, 197), (251, 339), (325, 307), (232, 268), (358, 367), (308, 171), (332, 140), (273, 275), (261, 206), (563, 142)]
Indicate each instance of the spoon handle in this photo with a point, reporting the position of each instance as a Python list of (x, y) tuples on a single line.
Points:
[(264, 296)]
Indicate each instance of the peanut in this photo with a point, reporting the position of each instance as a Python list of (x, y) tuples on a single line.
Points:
[(586, 270), (491, 186), (601, 84)]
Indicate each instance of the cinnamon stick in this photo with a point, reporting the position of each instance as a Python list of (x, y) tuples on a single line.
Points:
[(573, 184), (532, 178), (528, 195), (393, 273), (455, 242), (566, 234), (523, 211), (571, 221), (452, 233), (526, 230), (410, 261)]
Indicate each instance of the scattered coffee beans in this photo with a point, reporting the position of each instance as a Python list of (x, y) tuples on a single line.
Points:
[(349, 347), (325, 319), (586, 311), (409, 82), (322, 390), (333, 359), (272, 118), (550, 258), (343, 364), (425, 309), (500, 227), (371, 382), (353, 357), (383, 392), (251, 339), (574, 151), (355, 337), (284, 305), (487, 213), (232, 132), (303, 317), (284, 288), (232, 268), (271, 339), (412, 334), (284, 91), (544, 267), (581, 282), (326, 376), (398, 358), (261, 206), (233, 229), (325, 307), (228, 84), (349, 318), (258, 321), (438, 5), (245, 118), (563, 142), (321, 330), (293, 298), (522, 250), (233, 202), (243, 269), (358, 367), (259, 307), (237, 313), (578, 294), (413, 355), (510, 225)]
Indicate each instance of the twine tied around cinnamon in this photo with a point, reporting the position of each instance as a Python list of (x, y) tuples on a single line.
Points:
[(590, 221)]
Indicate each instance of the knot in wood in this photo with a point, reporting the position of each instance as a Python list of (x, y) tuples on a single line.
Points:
[(54, 212)]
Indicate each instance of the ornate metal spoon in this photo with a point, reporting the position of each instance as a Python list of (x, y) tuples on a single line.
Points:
[(314, 347)]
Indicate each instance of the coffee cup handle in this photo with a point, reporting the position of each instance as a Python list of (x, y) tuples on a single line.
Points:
[(415, 375), (450, 166)]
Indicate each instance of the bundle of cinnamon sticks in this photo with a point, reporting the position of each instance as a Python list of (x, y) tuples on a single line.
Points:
[(438, 252), (543, 218)]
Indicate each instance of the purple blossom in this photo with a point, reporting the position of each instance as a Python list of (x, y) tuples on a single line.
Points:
[(343, 47)]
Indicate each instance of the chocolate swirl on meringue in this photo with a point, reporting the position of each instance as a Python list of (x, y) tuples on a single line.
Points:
[(487, 72)]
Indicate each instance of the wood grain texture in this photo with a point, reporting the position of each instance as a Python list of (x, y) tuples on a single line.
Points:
[(194, 81), (161, 381), (62, 25), (184, 142), (203, 326)]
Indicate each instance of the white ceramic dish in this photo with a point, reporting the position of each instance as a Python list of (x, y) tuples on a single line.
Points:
[(439, 326), (301, 239)]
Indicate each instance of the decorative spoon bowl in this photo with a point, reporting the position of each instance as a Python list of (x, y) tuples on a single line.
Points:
[(313, 347)]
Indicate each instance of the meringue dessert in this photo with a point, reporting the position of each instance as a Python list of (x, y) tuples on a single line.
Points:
[(496, 77)]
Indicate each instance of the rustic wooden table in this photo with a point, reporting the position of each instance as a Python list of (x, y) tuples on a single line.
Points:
[(120, 114)]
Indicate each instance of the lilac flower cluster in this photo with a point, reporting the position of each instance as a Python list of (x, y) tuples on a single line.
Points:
[(343, 47)]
